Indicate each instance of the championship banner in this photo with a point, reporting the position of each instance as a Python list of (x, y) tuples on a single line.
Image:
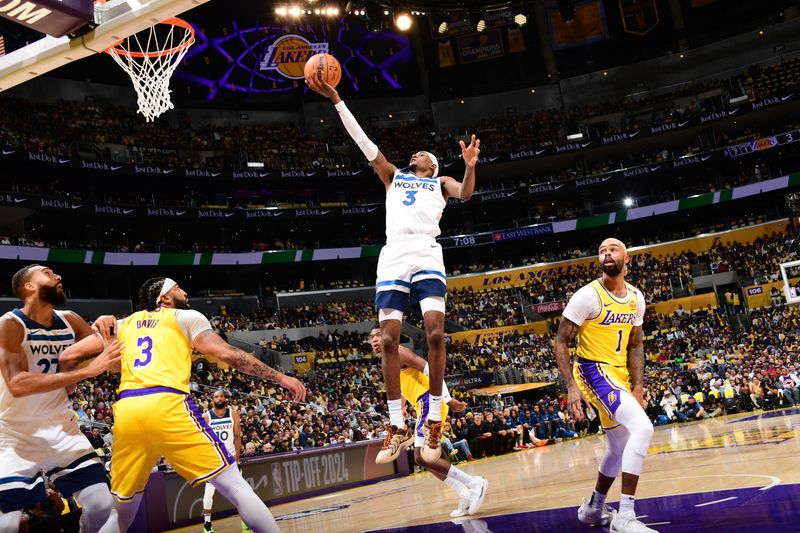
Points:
[(639, 17), (516, 41), (483, 335), (589, 25), (458, 24), (480, 46), (283, 476), (447, 58), (519, 276)]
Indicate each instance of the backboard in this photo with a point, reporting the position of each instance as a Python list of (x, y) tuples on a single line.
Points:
[(115, 19), (790, 272)]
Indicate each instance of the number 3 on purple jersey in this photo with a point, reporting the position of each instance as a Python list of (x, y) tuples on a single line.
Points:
[(147, 351)]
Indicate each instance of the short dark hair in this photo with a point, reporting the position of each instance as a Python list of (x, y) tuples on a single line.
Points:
[(148, 293), (21, 277)]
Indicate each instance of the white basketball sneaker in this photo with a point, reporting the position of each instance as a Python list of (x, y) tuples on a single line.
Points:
[(476, 494), (462, 509), (594, 517), (627, 523)]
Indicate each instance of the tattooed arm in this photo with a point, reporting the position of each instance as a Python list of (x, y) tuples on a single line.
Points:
[(211, 344), (636, 363), (566, 333)]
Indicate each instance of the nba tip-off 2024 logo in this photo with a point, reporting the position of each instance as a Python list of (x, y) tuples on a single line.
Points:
[(288, 55)]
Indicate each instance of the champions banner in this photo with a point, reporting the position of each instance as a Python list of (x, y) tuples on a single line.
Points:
[(589, 25), (480, 46)]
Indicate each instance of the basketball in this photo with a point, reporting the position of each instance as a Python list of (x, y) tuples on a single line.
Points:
[(325, 67)]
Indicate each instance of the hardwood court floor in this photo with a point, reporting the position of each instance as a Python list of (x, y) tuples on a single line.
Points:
[(739, 473)]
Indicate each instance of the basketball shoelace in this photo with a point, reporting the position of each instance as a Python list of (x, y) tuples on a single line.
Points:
[(389, 436), (434, 434)]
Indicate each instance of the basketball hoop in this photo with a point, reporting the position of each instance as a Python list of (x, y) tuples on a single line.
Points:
[(151, 60)]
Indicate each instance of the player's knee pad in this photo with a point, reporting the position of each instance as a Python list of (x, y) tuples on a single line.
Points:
[(208, 496), (432, 303), (390, 314), (612, 460)]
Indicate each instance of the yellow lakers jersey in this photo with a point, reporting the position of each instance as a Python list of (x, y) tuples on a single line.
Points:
[(156, 353), (413, 384), (604, 338)]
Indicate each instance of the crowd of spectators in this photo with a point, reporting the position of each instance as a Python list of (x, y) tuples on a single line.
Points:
[(118, 134)]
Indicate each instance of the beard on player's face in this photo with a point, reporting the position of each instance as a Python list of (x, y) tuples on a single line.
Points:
[(612, 270), (219, 405), (181, 303), (52, 294)]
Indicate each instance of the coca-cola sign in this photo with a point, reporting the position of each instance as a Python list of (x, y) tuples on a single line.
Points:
[(549, 307)]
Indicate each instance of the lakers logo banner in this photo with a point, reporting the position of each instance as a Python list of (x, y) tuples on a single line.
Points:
[(639, 17), (289, 54)]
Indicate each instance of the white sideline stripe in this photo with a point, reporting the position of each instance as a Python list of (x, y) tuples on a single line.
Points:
[(716, 501)]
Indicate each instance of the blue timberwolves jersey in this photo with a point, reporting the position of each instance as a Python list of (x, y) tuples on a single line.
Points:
[(223, 427)]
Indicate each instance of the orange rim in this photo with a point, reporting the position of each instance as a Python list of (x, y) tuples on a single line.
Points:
[(117, 49)]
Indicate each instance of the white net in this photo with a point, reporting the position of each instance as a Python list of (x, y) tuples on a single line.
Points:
[(150, 58)]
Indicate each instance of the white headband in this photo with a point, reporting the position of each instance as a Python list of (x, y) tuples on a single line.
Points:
[(168, 285), (435, 162)]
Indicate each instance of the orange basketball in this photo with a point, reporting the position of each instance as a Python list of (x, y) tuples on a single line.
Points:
[(324, 67)]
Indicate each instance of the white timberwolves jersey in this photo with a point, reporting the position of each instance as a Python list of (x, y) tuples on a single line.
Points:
[(414, 206), (41, 347), (223, 427)]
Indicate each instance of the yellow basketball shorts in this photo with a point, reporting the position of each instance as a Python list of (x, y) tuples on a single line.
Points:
[(423, 408), (602, 384), (156, 422)]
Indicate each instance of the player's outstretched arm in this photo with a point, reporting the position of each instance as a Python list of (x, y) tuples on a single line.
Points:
[(464, 190), (21, 381), (567, 330), (383, 168), (636, 363), (211, 344)]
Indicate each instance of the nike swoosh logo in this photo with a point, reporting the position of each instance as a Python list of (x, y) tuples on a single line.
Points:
[(682, 124), (370, 210), (538, 152), (606, 178), (632, 135), (584, 145), (62, 161), (263, 174), (558, 186), (308, 175), (326, 212), (128, 211), (19, 200), (509, 195), (116, 168), (228, 215), (606, 305), (706, 158), (179, 213), (76, 206), (783, 99), (169, 171), (215, 174), (734, 111), (492, 159), (8, 152)]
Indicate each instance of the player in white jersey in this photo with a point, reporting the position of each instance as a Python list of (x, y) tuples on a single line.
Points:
[(38, 432), (224, 421), (410, 268)]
